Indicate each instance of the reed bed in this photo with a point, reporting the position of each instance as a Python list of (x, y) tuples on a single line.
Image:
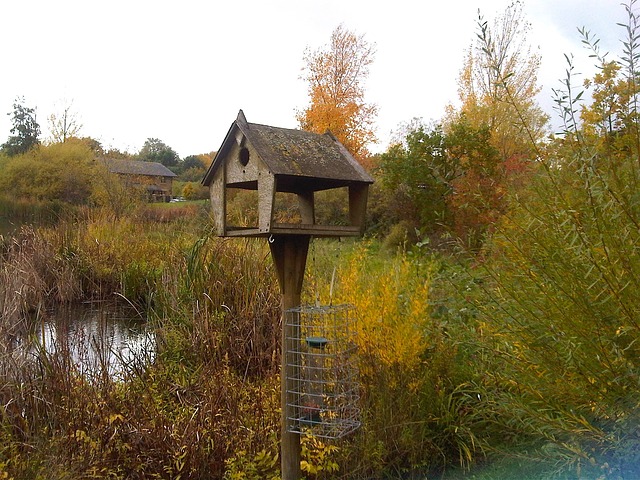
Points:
[(207, 405), (211, 390)]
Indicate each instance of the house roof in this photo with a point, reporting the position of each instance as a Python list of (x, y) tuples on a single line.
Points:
[(295, 154), (136, 167)]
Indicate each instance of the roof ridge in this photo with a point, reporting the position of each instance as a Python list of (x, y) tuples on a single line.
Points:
[(292, 152), (137, 167)]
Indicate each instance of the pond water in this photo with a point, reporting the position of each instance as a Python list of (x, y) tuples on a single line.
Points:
[(97, 338)]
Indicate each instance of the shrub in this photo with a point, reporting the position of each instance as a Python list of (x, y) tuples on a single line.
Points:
[(564, 309), (61, 171), (562, 306), (417, 397)]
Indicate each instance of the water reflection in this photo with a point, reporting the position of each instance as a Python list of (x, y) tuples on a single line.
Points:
[(98, 338)]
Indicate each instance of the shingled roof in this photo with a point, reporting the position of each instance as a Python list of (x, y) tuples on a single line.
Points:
[(136, 167), (294, 155)]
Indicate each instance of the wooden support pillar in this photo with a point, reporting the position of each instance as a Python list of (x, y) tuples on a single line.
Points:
[(358, 205), (289, 253), (307, 208)]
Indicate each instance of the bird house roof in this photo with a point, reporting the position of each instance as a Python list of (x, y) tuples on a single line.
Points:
[(299, 159)]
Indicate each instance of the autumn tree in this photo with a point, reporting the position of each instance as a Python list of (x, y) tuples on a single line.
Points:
[(335, 75), (476, 198), (116, 153), (611, 122), (496, 132), (440, 183), (92, 143), (498, 84), (25, 130)]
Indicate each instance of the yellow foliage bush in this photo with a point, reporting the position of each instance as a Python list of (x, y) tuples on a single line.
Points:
[(391, 301), (417, 408)]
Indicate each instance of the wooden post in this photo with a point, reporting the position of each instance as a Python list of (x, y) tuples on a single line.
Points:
[(289, 253)]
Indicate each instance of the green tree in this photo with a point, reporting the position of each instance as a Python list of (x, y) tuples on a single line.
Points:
[(193, 161), (154, 150), (60, 171), (416, 175), (25, 130), (335, 75), (193, 167)]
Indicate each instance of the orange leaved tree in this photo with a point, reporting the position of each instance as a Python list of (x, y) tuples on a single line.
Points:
[(336, 75)]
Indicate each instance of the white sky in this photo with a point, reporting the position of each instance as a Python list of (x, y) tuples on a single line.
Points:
[(180, 70)]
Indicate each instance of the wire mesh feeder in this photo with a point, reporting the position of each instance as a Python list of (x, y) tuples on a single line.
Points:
[(324, 374)]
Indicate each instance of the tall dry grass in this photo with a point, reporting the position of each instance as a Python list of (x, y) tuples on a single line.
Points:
[(33, 273), (212, 389)]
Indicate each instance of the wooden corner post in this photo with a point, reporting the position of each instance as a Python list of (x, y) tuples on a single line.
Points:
[(289, 253)]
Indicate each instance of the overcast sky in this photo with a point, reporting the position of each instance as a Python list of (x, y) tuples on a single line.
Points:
[(180, 70)]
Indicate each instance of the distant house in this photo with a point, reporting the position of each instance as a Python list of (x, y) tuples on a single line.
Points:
[(152, 177)]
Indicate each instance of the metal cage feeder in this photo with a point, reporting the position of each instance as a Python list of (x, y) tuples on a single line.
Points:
[(320, 354)]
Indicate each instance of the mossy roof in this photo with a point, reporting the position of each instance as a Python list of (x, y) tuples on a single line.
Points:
[(137, 167), (306, 156)]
